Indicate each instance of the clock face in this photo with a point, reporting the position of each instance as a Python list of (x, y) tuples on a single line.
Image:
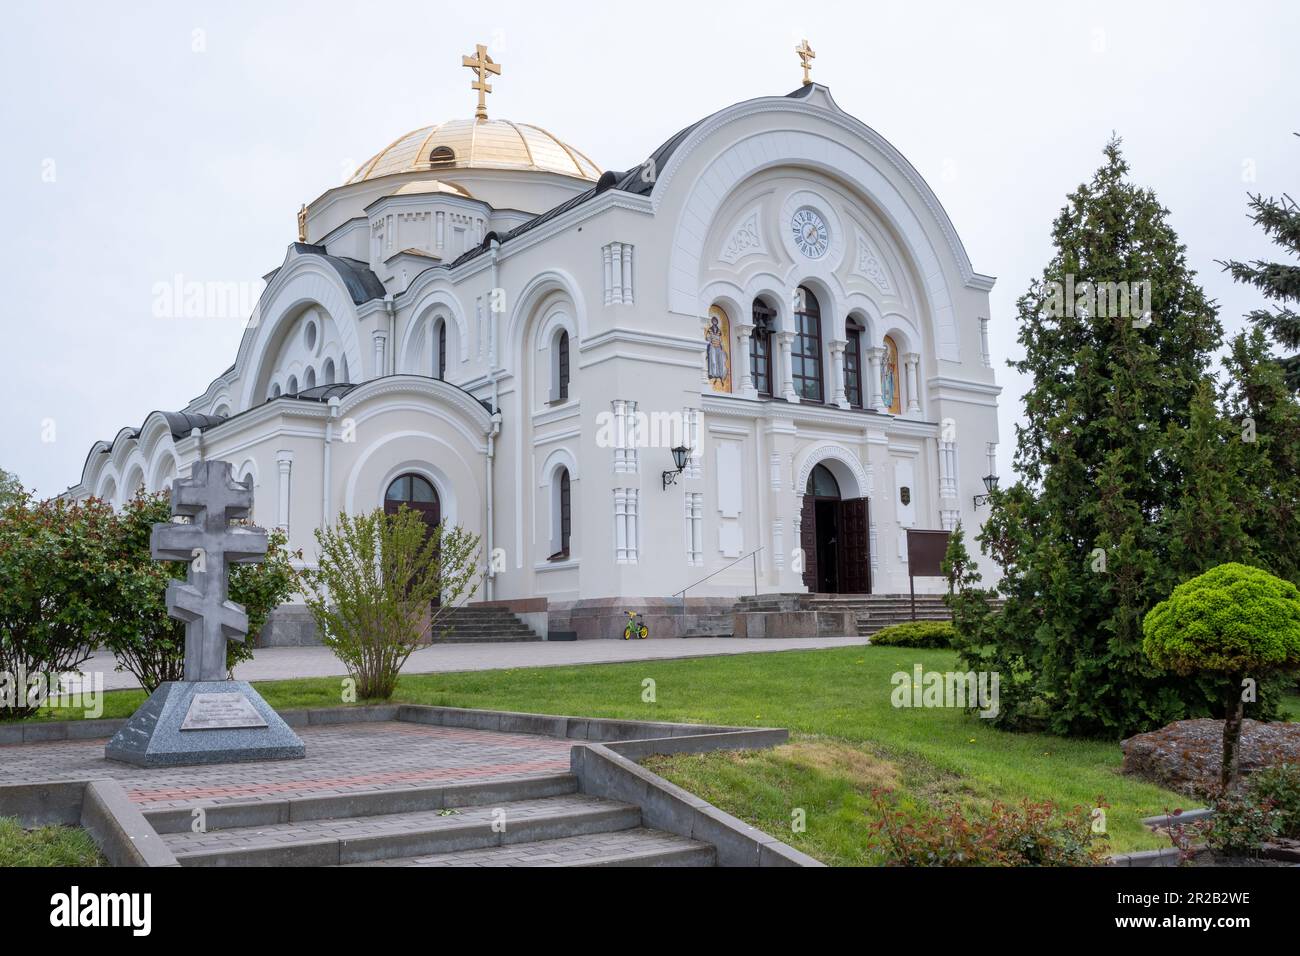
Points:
[(810, 233)]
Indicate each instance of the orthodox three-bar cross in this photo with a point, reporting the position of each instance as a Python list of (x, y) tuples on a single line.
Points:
[(211, 499), (482, 65)]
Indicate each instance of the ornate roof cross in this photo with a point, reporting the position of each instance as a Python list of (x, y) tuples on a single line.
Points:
[(211, 498), (806, 56), (482, 65)]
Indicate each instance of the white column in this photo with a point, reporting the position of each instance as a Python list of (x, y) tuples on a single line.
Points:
[(379, 340), (741, 361), (786, 342), (985, 355), (913, 361), (838, 395), (874, 357), (284, 459)]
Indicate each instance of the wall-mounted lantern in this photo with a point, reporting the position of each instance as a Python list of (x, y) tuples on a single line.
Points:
[(679, 459), (990, 485)]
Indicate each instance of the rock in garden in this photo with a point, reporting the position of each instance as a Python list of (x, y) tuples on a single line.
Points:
[(1186, 755)]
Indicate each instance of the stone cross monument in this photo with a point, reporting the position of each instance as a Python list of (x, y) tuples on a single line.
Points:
[(206, 718), (210, 499)]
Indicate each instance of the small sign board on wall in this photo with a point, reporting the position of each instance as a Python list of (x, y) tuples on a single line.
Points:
[(925, 551)]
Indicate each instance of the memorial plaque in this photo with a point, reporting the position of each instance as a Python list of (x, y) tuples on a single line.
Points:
[(221, 712)]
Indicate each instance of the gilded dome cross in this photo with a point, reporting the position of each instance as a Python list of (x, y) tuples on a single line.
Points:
[(482, 65), (806, 56)]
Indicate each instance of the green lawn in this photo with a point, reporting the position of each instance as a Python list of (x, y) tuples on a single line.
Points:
[(46, 846), (847, 738)]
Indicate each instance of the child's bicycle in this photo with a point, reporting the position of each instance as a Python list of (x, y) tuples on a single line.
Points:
[(635, 627)]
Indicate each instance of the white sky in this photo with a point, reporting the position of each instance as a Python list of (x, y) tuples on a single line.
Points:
[(169, 161)]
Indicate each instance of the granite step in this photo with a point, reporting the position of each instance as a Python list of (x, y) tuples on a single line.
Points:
[(638, 846), (344, 840)]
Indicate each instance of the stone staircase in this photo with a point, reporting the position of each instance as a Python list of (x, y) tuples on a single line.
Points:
[(531, 821), (475, 624), (864, 613)]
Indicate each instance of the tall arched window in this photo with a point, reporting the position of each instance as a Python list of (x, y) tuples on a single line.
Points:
[(441, 357), (806, 352), (561, 516), (564, 375), (760, 347), (853, 362)]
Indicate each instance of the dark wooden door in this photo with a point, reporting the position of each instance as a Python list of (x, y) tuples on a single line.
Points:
[(855, 546), (416, 493), (808, 541)]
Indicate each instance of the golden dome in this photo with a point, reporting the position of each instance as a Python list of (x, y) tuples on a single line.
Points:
[(478, 144)]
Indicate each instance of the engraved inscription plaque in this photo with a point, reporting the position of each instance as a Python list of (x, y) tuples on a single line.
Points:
[(221, 712)]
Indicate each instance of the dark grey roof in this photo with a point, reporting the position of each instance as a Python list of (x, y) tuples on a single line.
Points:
[(362, 284), (323, 393), (629, 181)]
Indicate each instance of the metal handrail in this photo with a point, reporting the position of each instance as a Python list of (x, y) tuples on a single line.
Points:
[(682, 593)]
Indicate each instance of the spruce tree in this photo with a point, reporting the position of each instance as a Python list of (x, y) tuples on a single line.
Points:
[(1104, 456), (1279, 281)]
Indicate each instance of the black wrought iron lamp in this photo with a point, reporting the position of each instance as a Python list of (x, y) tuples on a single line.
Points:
[(679, 459), (990, 485)]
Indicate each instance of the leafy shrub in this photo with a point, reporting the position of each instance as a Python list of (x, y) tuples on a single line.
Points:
[(1280, 785), (1031, 834), (1235, 621), (52, 588), (915, 634), (146, 641), (1241, 824), (372, 593)]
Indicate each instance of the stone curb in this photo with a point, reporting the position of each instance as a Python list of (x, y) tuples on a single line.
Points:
[(604, 772), (1184, 818), (101, 807), (1168, 857)]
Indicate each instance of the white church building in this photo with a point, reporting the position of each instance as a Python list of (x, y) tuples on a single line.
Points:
[(484, 324)]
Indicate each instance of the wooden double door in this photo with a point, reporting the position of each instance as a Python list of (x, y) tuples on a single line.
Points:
[(835, 535)]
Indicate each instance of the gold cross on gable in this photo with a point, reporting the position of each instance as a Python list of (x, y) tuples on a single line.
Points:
[(482, 65), (806, 56)]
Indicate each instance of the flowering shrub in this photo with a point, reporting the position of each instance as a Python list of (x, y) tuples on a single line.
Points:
[(1030, 834), (1281, 786)]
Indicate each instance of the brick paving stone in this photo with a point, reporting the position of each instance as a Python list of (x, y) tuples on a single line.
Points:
[(567, 850), (341, 758)]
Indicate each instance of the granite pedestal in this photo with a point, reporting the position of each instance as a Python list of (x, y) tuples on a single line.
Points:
[(202, 722)]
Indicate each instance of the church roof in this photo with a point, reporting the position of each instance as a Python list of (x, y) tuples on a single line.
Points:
[(477, 144), (630, 180)]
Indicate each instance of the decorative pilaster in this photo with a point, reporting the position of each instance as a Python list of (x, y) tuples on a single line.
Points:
[(380, 338), (786, 342), (742, 361), (284, 459), (912, 362), (874, 357), (838, 395)]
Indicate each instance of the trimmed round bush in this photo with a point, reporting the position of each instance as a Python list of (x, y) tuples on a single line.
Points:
[(1233, 619), (1236, 621), (930, 634)]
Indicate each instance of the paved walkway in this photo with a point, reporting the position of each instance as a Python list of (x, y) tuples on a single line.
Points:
[(344, 758), (282, 663)]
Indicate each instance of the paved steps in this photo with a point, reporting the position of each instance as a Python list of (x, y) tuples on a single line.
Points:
[(472, 624), (540, 820)]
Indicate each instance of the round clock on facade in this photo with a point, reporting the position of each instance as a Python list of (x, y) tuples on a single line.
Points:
[(811, 234)]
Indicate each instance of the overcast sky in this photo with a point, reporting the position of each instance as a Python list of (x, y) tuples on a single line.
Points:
[(143, 141)]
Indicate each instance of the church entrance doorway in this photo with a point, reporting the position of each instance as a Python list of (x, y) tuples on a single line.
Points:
[(417, 493), (835, 537)]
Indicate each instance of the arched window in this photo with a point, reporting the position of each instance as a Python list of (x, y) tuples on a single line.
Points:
[(309, 378), (560, 366), (291, 387), (440, 360), (760, 347), (822, 484), (442, 156), (275, 390), (562, 516), (327, 372), (853, 362), (417, 493), (806, 352)]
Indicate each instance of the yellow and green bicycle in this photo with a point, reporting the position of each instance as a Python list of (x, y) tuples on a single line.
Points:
[(635, 627)]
